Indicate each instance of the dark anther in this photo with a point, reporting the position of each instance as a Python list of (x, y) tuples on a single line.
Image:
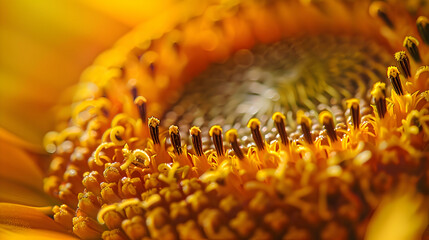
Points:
[(216, 134), (175, 139), (154, 129), (232, 138)]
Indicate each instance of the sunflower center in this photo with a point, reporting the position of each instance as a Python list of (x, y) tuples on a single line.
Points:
[(308, 73)]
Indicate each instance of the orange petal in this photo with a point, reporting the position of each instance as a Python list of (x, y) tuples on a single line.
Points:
[(45, 47), (21, 178), (15, 217), (6, 136), (13, 192), (18, 165), (34, 234)]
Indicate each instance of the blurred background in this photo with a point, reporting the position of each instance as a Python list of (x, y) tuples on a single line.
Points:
[(45, 45)]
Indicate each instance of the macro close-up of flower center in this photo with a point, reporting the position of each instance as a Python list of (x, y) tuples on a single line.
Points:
[(278, 119)]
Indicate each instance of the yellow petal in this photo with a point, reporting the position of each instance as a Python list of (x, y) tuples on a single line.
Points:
[(403, 215), (130, 12)]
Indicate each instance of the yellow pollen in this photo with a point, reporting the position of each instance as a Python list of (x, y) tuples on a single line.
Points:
[(379, 90), (153, 122), (393, 75), (404, 63), (173, 130)]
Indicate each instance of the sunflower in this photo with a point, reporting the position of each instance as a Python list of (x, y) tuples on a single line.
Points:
[(247, 120)]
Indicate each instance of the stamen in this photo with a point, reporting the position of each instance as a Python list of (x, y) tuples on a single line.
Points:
[(393, 75), (305, 123), (154, 129), (423, 27), (254, 125), (175, 139), (231, 137), (63, 215), (404, 62), (279, 120), (134, 156), (103, 211), (86, 228), (411, 44), (132, 85), (216, 133), (97, 152), (196, 140), (149, 58), (353, 105), (327, 120), (140, 102), (378, 9), (379, 94), (116, 135)]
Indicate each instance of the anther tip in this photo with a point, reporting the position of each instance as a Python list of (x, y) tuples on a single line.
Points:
[(253, 123), (140, 100), (173, 130), (410, 41), (353, 102), (194, 131), (379, 90), (393, 75), (380, 9), (231, 135), (215, 130), (423, 28), (153, 122), (392, 71), (400, 55), (302, 118), (404, 63), (376, 7), (325, 117), (278, 117), (422, 20)]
